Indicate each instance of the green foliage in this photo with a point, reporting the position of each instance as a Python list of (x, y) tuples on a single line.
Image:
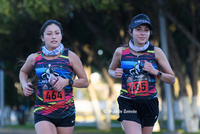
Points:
[(5, 8), (43, 9)]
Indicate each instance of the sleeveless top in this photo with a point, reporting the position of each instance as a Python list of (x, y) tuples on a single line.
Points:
[(136, 83), (48, 101)]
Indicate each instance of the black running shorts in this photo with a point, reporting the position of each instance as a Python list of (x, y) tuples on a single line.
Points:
[(144, 112), (65, 122)]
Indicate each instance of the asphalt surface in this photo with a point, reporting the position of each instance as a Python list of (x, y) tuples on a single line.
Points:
[(28, 131), (16, 131), (6, 130)]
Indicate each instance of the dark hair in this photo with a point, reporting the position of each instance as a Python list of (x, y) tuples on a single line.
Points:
[(49, 22)]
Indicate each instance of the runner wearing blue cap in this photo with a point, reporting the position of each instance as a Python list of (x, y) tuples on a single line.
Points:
[(137, 64)]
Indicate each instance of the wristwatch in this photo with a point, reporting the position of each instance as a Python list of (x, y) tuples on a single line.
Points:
[(71, 82), (159, 74)]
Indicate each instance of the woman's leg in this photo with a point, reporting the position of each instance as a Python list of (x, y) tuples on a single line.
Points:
[(131, 127), (45, 127), (147, 130), (65, 130)]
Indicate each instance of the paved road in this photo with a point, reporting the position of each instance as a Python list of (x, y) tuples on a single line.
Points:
[(28, 131), (16, 131), (32, 131)]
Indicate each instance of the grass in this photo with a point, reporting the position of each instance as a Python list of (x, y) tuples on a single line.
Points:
[(27, 126), (82, 129), (90, 129), (79, 129)]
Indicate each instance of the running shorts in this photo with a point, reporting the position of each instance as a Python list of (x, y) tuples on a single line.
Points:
[(65, 122), (144, 112)]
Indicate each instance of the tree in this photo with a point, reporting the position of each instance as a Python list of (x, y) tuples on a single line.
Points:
[(191, 68)]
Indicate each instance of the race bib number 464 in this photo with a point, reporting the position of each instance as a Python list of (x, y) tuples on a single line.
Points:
[(53, 96)]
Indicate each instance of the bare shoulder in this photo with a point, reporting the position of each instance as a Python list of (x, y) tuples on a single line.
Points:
[(118, 51), (72, 54), (73, 58), (157, 49), (31, 58), (160, 55), (158, 52), (115, 63)]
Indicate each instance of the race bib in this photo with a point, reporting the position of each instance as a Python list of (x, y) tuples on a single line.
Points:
[(137, 84), (51, 95)]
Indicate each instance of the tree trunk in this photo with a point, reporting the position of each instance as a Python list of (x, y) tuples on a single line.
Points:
[(195, 117), (193, 70), (177, 112), (190, 124), (188, 113), (108, 114), (101, 125)]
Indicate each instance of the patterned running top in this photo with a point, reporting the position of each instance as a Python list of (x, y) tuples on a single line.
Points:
[(48, 101), (136, 83)]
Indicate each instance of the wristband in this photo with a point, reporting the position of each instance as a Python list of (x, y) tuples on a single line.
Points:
[(159, 74)]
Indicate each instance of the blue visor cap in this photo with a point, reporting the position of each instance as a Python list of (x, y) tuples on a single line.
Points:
[(136, 23)]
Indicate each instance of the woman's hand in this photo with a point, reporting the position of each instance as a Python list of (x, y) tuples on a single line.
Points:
[(118, 72), (149, 68), (60, 84), (27, 89)]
